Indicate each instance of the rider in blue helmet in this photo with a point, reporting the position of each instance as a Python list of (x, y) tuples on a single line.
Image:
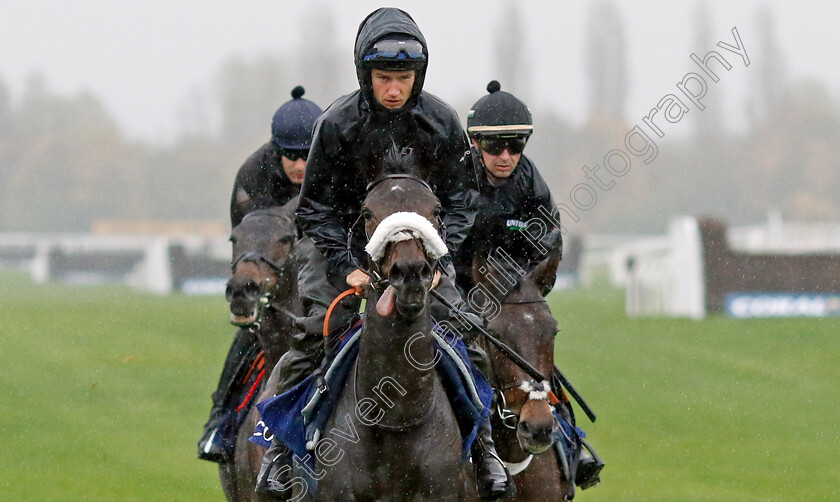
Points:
[(274, 173), (270, 177)]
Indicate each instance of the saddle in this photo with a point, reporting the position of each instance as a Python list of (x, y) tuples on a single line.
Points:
[(298, 416)]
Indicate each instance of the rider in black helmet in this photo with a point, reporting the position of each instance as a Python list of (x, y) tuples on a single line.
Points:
[(512, 190), (270, 177), (513, 196), (389, 110)]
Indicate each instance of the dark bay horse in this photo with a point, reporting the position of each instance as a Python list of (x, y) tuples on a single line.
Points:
[(393, 434), (523, 424), (262, 293)]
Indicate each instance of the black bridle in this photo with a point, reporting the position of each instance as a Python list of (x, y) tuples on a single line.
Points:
[(283, 269), (254, 257), (407, 176), (377, 281)]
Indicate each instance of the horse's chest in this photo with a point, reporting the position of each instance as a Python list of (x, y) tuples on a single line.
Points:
[(417, 464)]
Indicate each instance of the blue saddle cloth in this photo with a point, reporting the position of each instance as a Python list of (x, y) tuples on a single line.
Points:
[(298, 416)]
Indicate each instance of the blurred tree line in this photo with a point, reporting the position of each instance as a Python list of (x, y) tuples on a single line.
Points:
[(64, 163), (786, 160)]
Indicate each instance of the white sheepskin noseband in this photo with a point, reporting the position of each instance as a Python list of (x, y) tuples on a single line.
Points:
[(402, 226), (536, 392)]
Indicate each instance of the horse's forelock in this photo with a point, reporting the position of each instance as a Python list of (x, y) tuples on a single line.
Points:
[(398, 161)]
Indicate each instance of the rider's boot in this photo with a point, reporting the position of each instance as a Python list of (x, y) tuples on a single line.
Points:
[(589, 467), (216, 444), (275, 474), (491, 475), (212, 445)]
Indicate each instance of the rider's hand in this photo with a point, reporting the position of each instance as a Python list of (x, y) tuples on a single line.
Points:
[(435, 279), (357, 279)]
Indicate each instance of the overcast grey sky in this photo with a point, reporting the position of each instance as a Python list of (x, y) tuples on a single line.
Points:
[(144, 58)]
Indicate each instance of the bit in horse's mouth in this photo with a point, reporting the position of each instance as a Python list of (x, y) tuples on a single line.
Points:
[(244, 319), (410, 310), (534, 447)]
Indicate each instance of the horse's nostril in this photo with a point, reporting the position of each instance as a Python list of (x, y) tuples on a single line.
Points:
[(252, 288), (239, 288), (525, 427), (426, 272), (411, 270), (397, 274)]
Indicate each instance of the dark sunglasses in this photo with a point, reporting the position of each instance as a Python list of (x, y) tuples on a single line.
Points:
[(395, 49), (294, 155), (495, 146)]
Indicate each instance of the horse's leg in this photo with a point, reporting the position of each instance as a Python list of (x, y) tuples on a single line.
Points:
[(239, 477), (227, 477), (469, 492), (542, 480)]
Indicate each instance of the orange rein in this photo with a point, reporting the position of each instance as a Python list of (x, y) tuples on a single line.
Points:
[(334, 303)]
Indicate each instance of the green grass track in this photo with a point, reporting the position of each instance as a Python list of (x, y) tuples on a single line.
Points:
[(104, 392)]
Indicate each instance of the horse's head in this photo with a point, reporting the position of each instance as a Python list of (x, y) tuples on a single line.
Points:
[(261, 270), (401, 221), (525, 323)]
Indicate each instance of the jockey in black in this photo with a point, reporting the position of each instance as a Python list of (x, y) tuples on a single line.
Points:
[(513, 193), (516, 214), (270, 177), (389, 110)]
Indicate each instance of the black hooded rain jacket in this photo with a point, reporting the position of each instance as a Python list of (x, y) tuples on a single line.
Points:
[(356, 128)]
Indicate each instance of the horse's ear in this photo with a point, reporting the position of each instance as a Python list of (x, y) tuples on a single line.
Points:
[(288, 209), (478, 263), (545, 273)]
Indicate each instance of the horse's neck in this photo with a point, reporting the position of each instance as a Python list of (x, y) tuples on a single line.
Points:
[(384, 372), (277, 327)]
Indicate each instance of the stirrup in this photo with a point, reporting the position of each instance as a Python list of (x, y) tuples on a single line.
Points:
[(483, 468), (275, 472), (589, 467)]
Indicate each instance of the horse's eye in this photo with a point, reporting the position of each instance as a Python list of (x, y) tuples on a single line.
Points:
[(233, 239), (437, 210), (367, 214)]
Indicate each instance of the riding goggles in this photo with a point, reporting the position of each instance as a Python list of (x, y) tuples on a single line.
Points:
[(395, 50), (294, 155), (495, 146)]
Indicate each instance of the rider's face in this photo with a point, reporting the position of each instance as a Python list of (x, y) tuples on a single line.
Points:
[(500, 166), (392, 88), (294, 169)]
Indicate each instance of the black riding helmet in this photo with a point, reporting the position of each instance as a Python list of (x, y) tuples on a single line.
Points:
[(500, 115), (291, 128), (389, 39)]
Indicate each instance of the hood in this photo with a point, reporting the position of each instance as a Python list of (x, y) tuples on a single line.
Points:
[(381, 22)]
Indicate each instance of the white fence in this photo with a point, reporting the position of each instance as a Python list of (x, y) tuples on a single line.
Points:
[(155, 264), (665, 276)]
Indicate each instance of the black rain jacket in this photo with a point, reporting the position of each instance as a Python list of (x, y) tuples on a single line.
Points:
[(503, 213), (339, 167), (260, 183)]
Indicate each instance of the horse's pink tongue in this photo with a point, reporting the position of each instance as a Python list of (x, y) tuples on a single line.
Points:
[(385, 305)]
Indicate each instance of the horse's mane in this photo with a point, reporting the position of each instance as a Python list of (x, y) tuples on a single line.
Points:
[(406, 149), (286, 211)]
